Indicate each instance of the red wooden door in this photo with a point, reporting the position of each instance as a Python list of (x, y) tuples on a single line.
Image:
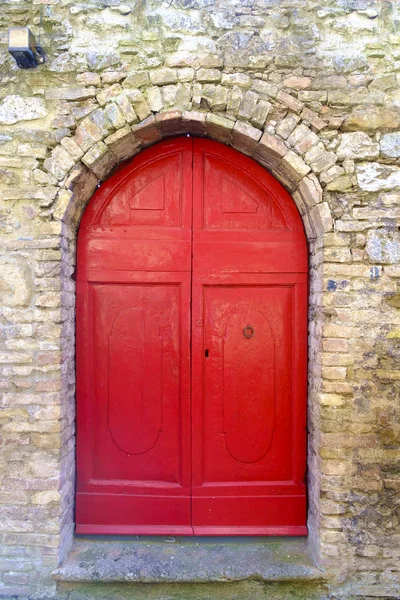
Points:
[(249, 298), (133, 348), (191, 235)]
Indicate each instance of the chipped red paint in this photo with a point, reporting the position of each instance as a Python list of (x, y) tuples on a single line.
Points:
[(191, 348)]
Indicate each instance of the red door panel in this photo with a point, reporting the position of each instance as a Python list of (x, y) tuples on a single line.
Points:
[(135, 407), (191, 348), (133, 344), (249, 303)]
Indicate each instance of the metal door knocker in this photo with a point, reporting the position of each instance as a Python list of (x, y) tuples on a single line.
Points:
[(248, 331)]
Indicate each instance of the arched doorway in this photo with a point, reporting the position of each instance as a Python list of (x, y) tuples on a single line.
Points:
[(191, 348)]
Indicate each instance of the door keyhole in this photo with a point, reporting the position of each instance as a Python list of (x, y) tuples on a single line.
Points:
[(206, 353)]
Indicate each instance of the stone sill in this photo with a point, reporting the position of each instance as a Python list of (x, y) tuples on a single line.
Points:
[(184, 560)]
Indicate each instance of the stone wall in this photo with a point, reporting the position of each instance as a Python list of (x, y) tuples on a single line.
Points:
[(311, 91)]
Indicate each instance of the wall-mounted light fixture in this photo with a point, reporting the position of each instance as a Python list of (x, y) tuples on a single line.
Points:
[(23, 47)]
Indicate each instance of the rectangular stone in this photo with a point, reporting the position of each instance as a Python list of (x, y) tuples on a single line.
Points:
[(290, 101), (114, 115), (245, 137), (59, 163), (194, 122), (269, 151), (146, 131), (290, 170), (126, 108), (219, 128), (315, 121), (163, 76), (100, 160), (123, 144), (169, 123)]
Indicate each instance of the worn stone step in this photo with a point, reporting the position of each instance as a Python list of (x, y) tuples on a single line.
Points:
[(184, 559), (151, 568), (237, 590)]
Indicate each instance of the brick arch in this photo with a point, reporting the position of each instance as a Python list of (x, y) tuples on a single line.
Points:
[(87, 172), (268, 150)]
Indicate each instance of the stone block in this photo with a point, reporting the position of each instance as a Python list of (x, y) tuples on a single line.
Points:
[(88, 78), (35, 151), (319, 159), (114, 115), (248, 105), (146, 131), (287, 125), (208, 75), (321, 218), (73, 94), (163, 76), (245, 137), (123, 144), (289, 101), (315, 121), (59, 163), (182, 59), (155, 99), (373, 177), (169, 94), (312, 96), (236, 79), (290, 170), (302, 139), (64, 197), (234, 101), (142, 109), (390, 145), (310, 190), (15, 108), (260, 113), (297, 82), (186, 74), (126, 108), (72, 148), (83, 184), (109, 94), (357, 145), (16, 284), (100, 160), (372, 118), (269, 151), (169, 123), (341, 184), (340, 255), (264, 88), (219, 128), (111, 77), (194, 122), (331, 174), (209, 60), (214, 97), (42, 178), (137, 79), (383, 246), (92, 129), (298, 200)]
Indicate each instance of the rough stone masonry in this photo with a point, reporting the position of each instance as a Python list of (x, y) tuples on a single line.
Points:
[(310, 90)]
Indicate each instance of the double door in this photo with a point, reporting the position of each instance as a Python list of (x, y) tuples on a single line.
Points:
[(191, 349)]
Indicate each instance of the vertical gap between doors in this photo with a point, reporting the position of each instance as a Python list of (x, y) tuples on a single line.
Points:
[(191, 344)]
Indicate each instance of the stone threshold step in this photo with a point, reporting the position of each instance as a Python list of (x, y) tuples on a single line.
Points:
[(183, 560)]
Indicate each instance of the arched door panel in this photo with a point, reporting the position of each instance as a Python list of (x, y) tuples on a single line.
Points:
[(249, 303), (191, 348), (133, 348)]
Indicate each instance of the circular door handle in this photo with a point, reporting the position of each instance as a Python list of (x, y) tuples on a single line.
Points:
[(248, 331)]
